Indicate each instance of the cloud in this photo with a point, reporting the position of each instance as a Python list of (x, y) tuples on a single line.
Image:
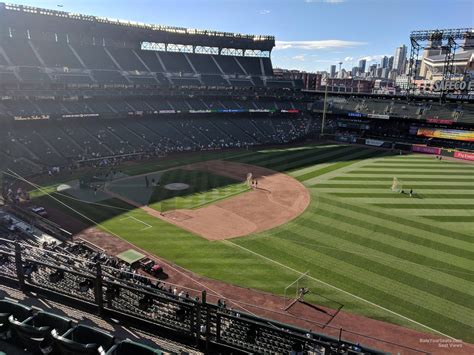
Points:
[(348, 59), (324, 44), (264, 12), (300, 57), (374, 58), (325, 1)]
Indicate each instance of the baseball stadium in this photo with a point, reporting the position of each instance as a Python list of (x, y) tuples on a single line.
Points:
[(164, 192)]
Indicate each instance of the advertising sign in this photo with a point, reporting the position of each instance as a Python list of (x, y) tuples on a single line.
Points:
[(382, 117), (374, 142), (454, 134), (425, 149), (464, 155)]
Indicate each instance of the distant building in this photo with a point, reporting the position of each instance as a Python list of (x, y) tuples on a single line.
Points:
[(332, 72), (400, 60), (383, 86), (362, 64), (373, 70), (347, 85), (311, 81), (384, 62), (390, 63), (401, 82)]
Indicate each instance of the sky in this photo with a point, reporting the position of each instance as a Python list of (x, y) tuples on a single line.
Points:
[(310, 34)]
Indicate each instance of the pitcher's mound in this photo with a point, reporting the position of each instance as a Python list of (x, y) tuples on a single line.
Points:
[(177, 186)]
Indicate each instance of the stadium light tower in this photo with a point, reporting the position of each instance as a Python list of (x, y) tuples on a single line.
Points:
[(422, 39)]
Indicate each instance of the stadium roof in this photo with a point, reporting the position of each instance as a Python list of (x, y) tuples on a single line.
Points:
[(127, 23), (461, 56)]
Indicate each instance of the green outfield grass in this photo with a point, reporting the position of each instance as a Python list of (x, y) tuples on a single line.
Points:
[(382, 254)]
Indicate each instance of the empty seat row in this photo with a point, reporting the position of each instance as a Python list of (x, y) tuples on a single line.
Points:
[(47, 333)]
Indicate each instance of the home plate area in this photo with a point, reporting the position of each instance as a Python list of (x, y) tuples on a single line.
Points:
[(145, 225)]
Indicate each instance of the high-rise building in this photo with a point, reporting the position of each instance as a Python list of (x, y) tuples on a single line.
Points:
[(362, 64), (373, 70), (399, 63), (355, 71), (390, 63), (384, 62), (332, 73)]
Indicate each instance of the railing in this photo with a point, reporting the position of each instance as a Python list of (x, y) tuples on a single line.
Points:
[(136, 298)]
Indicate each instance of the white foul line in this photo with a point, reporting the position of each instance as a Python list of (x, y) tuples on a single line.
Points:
[(340, 290), (148, 226)]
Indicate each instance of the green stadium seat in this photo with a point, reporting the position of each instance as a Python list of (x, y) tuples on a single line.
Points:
[(17, 311), (82, 339)]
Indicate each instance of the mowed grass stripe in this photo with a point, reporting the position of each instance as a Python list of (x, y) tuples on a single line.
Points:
[(420, 167), (288, 165), (454, 219), (299, 172), (406, 277), (301, 158), (364, 284), (305, 237), (425, 206), (392, 195), (367, 211), (261, 158), (390, 179), (410, 172), (402, 245), (440, 163), (354, 158), (386, 187)]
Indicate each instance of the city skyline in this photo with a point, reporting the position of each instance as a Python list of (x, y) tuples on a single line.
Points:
[(311, 35)]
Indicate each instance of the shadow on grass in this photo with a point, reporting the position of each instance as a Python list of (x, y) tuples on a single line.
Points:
[(86, 214)]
